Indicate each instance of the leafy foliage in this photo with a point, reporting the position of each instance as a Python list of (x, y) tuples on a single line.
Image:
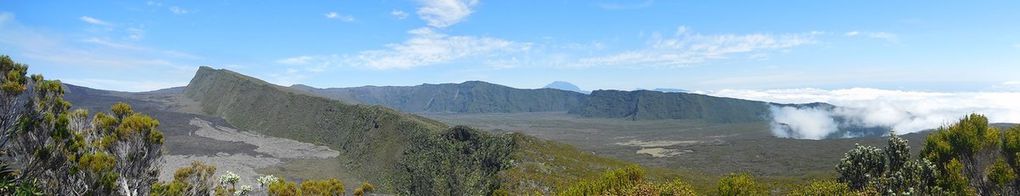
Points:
[(460, 161), (676, 187), (1002, 175), (629, 180), (741, 184), (613, 182), (63, 152), (330, 187), (196, 179), (823, 188), (966, 158), (544, 167), (861, 165), (283, 188), (365, 188), (974, 145)]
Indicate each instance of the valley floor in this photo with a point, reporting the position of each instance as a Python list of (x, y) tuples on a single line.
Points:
[(711, 148)]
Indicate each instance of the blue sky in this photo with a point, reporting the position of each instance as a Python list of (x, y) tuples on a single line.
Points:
[(697, 45)]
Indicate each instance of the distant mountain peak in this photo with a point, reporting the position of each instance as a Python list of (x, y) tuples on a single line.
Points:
[(302, 87), (670, 90), (563, 85)]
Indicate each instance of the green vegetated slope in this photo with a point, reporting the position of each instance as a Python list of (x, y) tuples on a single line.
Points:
[(652, 105), (543, 167), (404, 153), (467, 97)]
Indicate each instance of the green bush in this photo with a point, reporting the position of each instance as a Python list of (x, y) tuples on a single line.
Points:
[(861, 165), (329, 187), (740, 184), (823, 188)]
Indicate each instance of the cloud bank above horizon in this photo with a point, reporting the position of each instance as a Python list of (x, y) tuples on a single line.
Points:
[(902, 111)]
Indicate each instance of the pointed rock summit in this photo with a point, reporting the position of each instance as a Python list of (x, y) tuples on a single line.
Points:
[(567, 86)]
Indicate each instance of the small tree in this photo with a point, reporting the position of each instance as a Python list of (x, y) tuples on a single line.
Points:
[(897, 153), (64, 152), (861, 165)]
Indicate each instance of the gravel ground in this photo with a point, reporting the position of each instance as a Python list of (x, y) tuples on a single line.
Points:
[(270, 151)]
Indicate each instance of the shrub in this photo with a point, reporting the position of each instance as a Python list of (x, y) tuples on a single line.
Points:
[(861, 165), (327, 187), (740, 184), (823, 188)]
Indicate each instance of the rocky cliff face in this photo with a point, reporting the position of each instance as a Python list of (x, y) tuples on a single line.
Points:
[(653, 105), (467, 97)]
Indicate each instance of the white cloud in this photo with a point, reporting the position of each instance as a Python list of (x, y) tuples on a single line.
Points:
[(425, 47), (687, 48), (288, 77), (809, 123), (400, 15), (337, 16), (111, 44), (299, 60), (903, 111), (91, 20), (178, 10), (444, 13), (889, 37), (46, 49)]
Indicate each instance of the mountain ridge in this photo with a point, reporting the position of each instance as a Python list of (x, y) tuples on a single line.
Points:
[(465, 97), (405, 153)]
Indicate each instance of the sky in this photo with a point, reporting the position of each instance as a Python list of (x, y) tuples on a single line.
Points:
[(949, 46)]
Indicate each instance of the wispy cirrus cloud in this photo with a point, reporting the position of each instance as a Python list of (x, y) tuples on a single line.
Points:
[(178, 10), (95, 21), (338, 16), (425, 47), (886, 36), (46, 49), (444, 13), (399, 14), (686, 48)]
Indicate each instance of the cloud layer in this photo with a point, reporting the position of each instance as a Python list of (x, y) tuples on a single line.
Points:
[(444, 13), (902, 111), (686, 48), (425, 47)]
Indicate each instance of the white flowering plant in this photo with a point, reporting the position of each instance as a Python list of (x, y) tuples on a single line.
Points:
[(264, 181), (229, 178)]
